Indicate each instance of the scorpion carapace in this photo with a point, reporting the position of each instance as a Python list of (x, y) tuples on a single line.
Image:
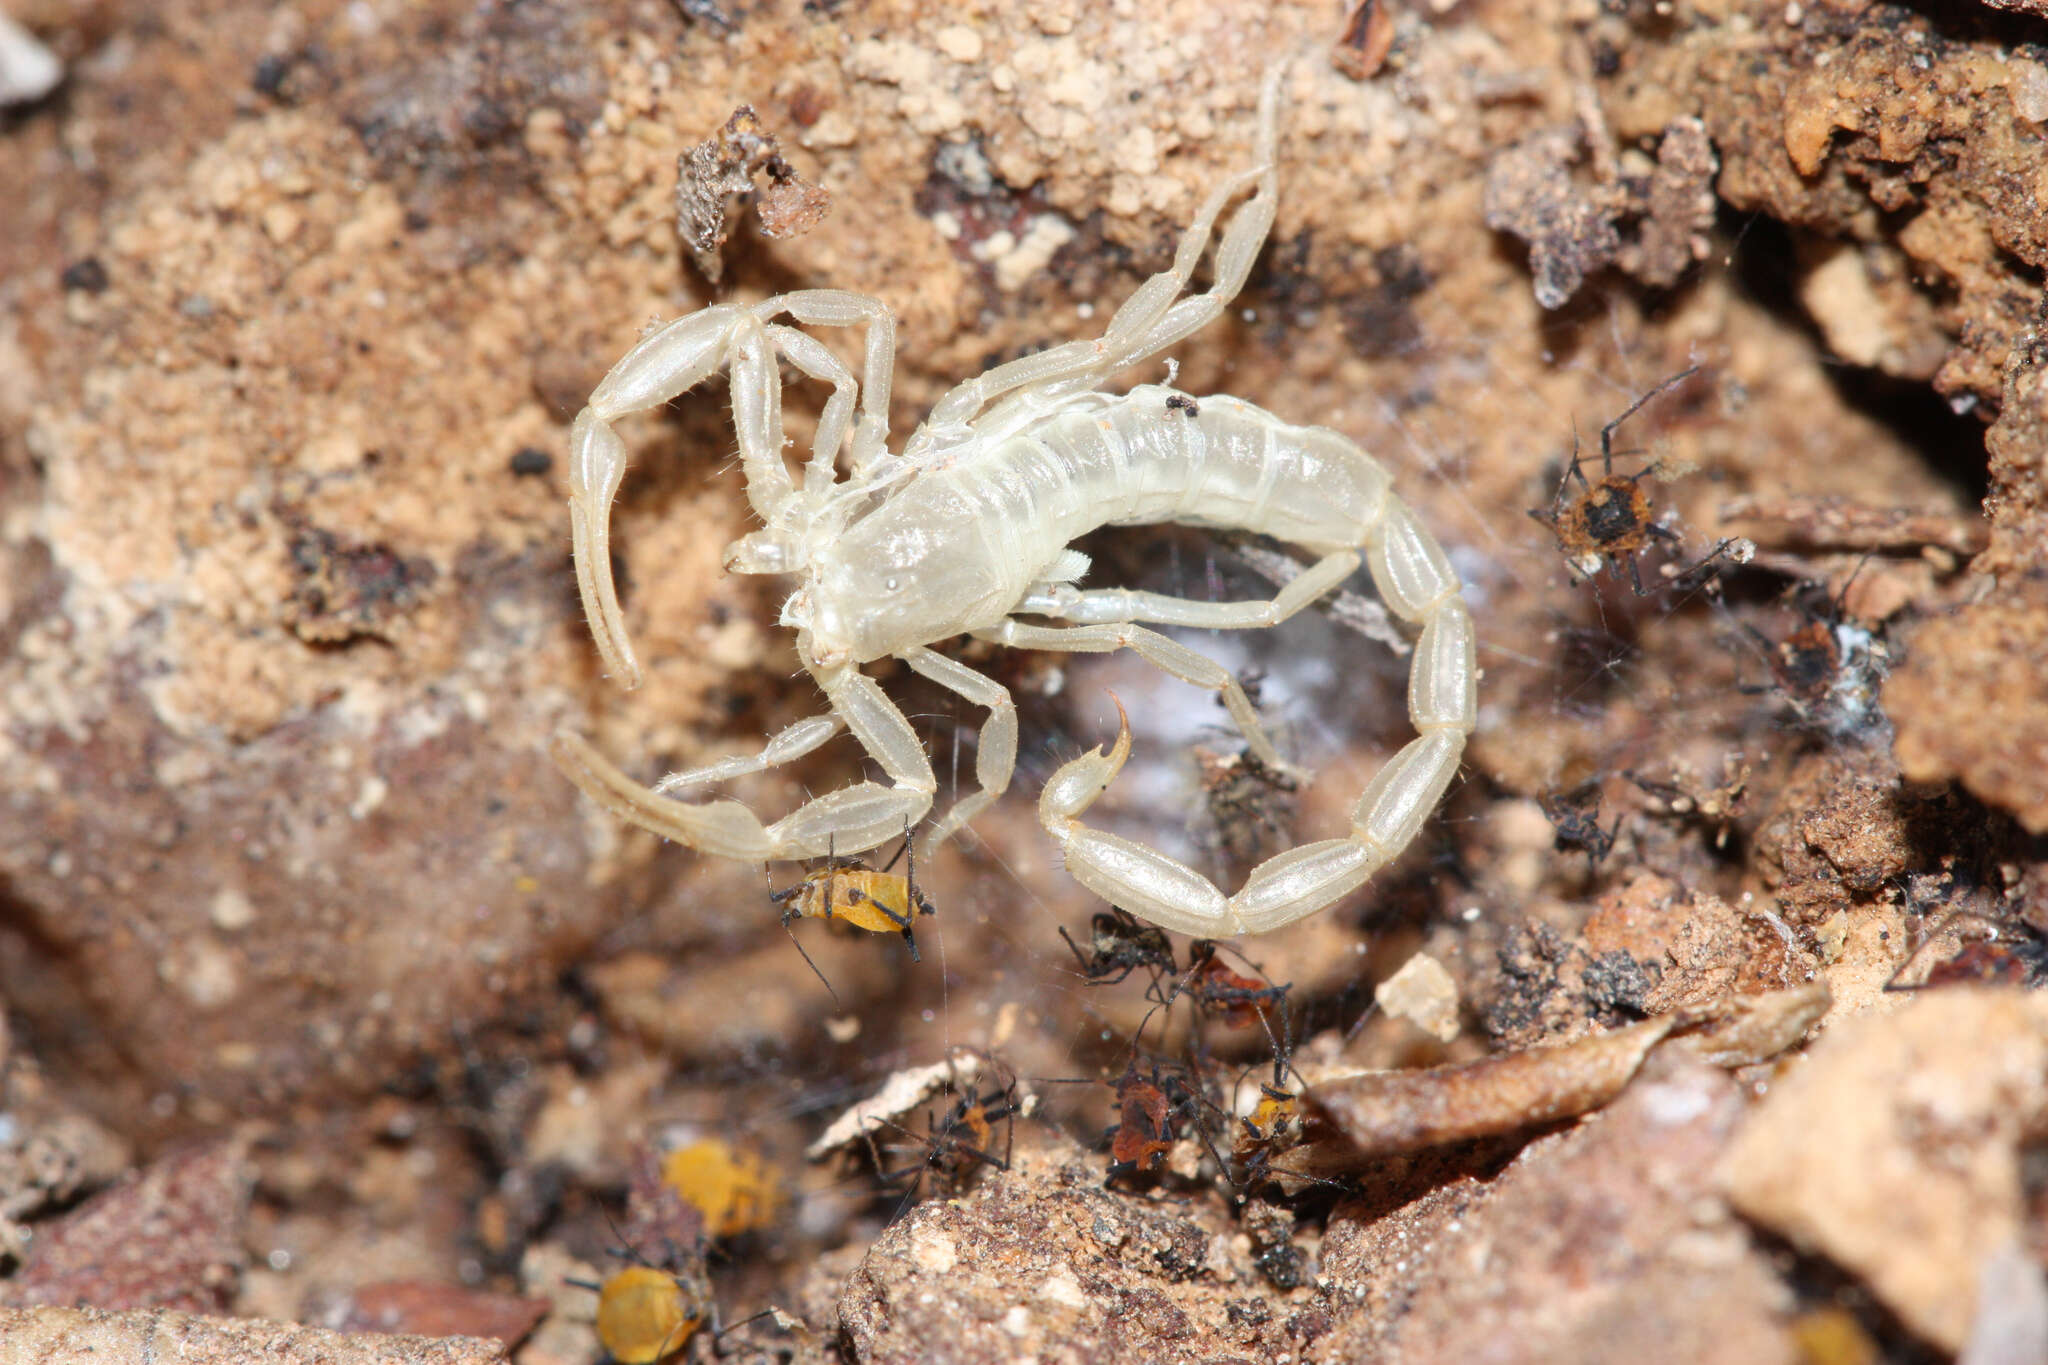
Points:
[(967, 532)]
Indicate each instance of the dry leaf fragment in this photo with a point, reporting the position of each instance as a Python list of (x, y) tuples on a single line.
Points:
[(725, 165), (900, 1095), (1381, 1113), (1357, 1118), (1741, 1030), (429, 1308)]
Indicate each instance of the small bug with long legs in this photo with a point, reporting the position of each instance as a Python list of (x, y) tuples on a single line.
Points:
[(1217, 991), (1829, 671), (848, 889), (1155, 1106), (958, 1145), (647, 1312), (1611, 521), (1119, 943), (1274, 1124), (1148, 1103)]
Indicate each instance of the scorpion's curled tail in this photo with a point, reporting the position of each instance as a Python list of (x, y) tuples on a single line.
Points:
[(1417, 583)]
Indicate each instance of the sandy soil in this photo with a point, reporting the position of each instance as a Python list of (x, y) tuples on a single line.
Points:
[(332, 1003)]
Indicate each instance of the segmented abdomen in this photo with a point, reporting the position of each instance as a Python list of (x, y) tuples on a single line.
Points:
[(1207, 462)]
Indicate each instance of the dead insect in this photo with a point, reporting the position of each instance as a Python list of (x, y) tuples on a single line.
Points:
[(1612, 522), (1180, 402), (1575, 814), (1686, 797), (1120, 943), (848, 889)]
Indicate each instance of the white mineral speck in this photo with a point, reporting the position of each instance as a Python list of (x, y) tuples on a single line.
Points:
[(231, 910)]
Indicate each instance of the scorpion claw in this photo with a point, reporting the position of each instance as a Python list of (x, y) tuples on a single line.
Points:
[(725, 828)]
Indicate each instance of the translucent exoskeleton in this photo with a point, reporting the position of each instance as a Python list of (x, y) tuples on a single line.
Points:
[(966, 531)]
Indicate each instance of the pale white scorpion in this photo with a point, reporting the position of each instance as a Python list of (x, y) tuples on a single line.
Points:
[(966, 531)]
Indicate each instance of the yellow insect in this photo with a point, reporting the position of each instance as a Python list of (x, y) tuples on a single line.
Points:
[(645, 1315), (847, 889), (734, 1190)]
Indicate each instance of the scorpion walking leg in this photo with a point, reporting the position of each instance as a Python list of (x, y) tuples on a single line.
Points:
[(1416, 581), (1136, 333), (867, 814), (850, 820), (810, 356), (792, 743), (1176, 658), (842, 308), (1103, 605), (1149, 321), (995, 756)]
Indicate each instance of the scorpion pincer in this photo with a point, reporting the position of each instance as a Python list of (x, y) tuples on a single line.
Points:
[(967, 532)]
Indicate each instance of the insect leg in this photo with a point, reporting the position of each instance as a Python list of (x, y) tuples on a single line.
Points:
[(1607, 432)]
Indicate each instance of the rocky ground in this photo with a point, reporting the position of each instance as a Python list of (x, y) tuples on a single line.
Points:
[(334, 1010)]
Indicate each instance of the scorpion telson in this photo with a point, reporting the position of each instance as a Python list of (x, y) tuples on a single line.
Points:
[(967, 532)]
